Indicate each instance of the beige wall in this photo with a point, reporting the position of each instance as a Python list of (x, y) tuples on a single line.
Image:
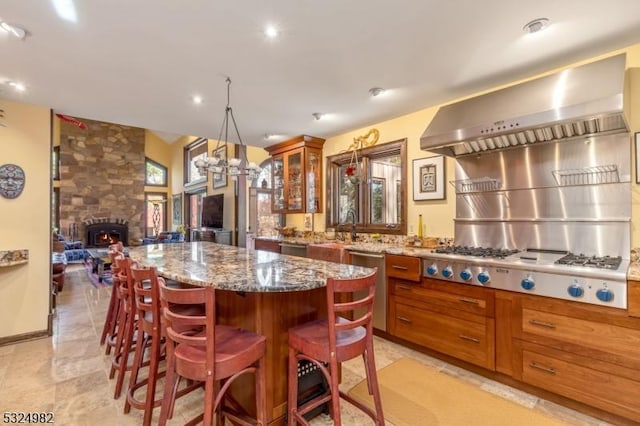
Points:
[(26, 223)]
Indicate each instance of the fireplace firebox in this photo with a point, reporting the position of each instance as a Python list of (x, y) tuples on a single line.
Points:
[(104, 234)]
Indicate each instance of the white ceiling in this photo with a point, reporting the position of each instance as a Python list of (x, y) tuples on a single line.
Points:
[(139, 62)]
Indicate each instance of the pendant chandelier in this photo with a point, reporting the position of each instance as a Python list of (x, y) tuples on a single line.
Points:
[(232, 166)]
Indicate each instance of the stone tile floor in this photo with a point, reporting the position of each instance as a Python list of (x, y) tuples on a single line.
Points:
[(67, 374)]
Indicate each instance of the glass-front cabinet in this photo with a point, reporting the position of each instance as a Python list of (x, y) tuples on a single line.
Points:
[(297, 175)]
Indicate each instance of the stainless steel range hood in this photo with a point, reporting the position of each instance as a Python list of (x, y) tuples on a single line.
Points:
[(579, 101)]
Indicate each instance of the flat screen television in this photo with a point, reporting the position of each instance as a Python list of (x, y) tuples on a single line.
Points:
[(213, 211)]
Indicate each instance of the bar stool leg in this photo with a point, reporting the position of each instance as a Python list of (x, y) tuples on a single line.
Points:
[(372, 383), (261, 399), (292, 387)]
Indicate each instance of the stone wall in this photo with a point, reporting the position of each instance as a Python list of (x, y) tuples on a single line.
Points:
[(102, 172)]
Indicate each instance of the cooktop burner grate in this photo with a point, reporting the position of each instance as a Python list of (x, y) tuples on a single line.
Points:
[(601, 262), (477, 251)]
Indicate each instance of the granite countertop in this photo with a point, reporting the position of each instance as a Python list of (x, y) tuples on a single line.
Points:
[(633, 273), (233, 268)]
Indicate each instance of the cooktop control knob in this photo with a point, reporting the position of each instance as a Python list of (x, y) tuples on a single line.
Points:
[(447, 272), (432, 269), (575, 290), (465, 274), (484, 277), (604, 295), (528, 283)]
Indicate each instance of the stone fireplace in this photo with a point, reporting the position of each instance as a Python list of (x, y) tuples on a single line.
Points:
[(103, 232), (102, 171)]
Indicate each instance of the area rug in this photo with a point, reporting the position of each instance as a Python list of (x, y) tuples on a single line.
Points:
[(414, 394), (95, 280)]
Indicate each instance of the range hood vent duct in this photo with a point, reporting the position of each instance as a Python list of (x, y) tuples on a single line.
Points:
[(575, 102)]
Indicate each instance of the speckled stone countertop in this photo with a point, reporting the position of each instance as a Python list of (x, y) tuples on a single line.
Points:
[(634, 266), (238, 269)]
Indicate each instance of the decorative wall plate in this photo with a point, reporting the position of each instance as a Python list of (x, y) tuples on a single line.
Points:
[(12, 180)]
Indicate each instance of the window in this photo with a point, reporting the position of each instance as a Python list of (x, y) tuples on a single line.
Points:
[(262, 222), (155, 216), (369, 193), (192, 152), (55, 163), (155, 173)]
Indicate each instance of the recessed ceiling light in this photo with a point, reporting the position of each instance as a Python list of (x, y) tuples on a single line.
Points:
[(317, 115), (66, 10), (376, 91), (269, 136), (18, 87), (536, 25), (271, 31), (14, 30), (197, 99)]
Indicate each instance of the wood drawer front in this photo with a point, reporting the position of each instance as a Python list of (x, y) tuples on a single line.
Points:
[(405, 267), (267, 245), (449, 300), (599, 340), (470, 341), (611, 393)]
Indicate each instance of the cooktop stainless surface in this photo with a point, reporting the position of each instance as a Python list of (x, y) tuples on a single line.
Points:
[(599, 280)]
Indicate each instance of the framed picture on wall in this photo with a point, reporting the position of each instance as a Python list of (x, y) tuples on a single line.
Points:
[(220, 179), (176, 207), (429, 178)]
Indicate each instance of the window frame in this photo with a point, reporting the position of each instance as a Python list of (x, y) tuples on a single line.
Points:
[(164, 169), (188, 160), (363, 196)]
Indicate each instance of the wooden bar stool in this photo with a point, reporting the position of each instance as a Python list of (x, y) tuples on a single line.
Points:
[(111, 320), (150, 333), (126, 326), (200, 350), (334, 340)]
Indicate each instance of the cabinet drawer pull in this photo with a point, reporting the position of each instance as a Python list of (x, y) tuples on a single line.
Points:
[(404, 319), (469, 338), (549, 370), (402, 268), (404, 287), (542, 324), (468, 300)]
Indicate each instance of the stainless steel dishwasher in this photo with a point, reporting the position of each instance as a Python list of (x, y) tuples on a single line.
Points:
[(375, 260), (293, 249)]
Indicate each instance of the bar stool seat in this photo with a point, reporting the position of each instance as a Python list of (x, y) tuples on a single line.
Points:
[(328, 342), (200, 350)]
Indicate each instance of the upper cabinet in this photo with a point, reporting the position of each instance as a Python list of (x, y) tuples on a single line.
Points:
[(297, 175)]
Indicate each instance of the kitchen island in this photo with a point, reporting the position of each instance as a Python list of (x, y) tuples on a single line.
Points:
[(260, 291)]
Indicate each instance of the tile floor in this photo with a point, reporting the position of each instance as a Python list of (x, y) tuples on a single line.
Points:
[(67, 374)]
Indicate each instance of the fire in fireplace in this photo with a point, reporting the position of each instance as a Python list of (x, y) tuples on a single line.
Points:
[(104, 234)]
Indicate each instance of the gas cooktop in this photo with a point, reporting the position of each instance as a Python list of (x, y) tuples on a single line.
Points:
[(499, 253), (552, 273), (602, 262)]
